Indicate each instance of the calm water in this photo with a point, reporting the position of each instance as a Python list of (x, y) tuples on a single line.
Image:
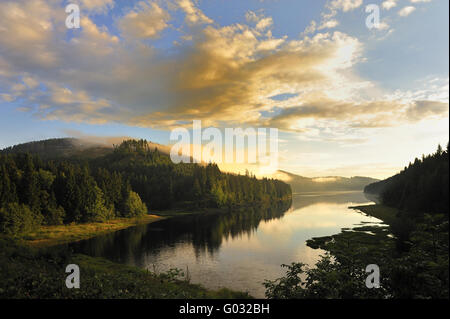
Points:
[(236, 250)]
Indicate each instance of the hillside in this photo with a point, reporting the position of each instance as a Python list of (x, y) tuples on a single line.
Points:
[(423, 186), (75, 148), (301, 184), (125, 182), (60, 148)]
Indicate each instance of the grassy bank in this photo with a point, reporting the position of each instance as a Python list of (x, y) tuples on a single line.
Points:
[(387, 214), (47, 236), (176, 212), (368, 240), (365, 235), (40, 273)]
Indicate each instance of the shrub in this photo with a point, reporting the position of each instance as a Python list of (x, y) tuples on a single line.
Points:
[(96, 211), (55, 216), (134, 206), (18, 219)]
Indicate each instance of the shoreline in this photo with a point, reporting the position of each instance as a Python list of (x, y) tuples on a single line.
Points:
[(384, 213), (54, 235), (48, 236), (28, 273), (366, 235), (99, 271)]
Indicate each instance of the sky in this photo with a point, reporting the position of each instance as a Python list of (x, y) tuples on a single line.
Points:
[(347, 99)]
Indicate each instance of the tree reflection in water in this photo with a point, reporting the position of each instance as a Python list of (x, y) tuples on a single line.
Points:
[(204, 231)]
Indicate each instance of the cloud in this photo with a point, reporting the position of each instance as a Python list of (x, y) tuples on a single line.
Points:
[(145, 20), (27, 33), (430, 88), (333, 7), (262, 22), (330, 24), (383, 26), (89, 140), (311, 28), (406, 11), (345, 5), (7, 97), (425, 109), (30, 82), (389, 4), (75, 106), (227, 74), (194, 15), (383, 113), (222, 75)]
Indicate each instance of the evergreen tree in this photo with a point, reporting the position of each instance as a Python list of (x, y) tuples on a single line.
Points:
[(126, 182)]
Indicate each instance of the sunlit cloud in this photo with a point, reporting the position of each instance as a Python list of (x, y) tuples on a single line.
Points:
[(193, 14), (389, 4), (146, 20), (406, 11), (224, 73), (345, 5)]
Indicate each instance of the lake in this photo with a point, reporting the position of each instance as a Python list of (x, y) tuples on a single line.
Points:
[(237, 250)]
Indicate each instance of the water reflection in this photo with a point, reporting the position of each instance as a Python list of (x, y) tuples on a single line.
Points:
[(205, 232), (238, 249)]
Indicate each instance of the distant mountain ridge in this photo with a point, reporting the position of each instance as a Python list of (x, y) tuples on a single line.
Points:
[(302, 184)]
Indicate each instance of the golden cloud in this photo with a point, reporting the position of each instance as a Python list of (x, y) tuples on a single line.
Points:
[(146, 20), (218, 74)]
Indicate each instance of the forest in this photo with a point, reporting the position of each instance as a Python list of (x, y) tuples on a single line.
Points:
[(420, 187), (126, 182)]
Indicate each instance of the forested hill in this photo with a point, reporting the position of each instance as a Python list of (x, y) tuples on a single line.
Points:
[(420, 187), (301, 184), (73, 148), (58, 148), (126, 181)]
